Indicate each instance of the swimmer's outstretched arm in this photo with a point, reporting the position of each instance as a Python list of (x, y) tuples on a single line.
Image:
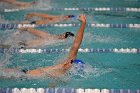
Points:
[(40, 15), (36, 32), (8, 1), (76, 44), (17, 3), (78, 38)]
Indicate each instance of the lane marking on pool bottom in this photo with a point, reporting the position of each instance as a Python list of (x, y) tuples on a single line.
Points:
[(82, 50)]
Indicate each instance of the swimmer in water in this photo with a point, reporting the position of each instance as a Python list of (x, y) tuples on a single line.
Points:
[(45, 18), (60, 69), (43, 38), (18, 3)]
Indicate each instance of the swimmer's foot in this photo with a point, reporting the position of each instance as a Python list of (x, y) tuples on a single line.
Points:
[(5, 46)]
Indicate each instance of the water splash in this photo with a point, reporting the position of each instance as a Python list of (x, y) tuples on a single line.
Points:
[(81, 71), (101, 71)]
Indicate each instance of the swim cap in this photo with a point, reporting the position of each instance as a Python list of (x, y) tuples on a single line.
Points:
[(79, 64), (68, 34), (33, 22), (22, 45), (24, 71), (77, 61)]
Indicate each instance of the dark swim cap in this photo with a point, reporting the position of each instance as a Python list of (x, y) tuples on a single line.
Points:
[(68, 34)]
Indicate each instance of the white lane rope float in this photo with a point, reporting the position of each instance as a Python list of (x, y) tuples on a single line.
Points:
[(81, 50), (15, 26), (77, 9)]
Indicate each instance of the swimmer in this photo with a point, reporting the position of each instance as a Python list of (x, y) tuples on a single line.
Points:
[(18, 3), (42, 38), (60, 69), (45, 18)]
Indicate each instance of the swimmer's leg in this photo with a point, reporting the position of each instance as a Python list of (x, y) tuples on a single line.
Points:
[(30, 15), (22, 4), (21, 44), (11, 70), (38, 33), (47, 21), (40, 22), (27, 22), (4, 46), (17, 3)]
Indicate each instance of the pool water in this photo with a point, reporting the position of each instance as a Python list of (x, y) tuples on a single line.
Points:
[(102, 70)]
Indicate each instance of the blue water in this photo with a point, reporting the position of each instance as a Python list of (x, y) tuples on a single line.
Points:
[(104, 70)]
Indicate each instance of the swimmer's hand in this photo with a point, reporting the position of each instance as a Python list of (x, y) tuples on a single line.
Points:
[(82, 18)]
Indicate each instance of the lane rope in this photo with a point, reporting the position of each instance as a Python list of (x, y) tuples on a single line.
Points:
[(15, 26), (83, 9), (81, 50)]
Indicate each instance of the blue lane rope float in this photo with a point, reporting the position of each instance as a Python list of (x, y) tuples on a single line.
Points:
[(86, 9), (15, 26), (85, 50)]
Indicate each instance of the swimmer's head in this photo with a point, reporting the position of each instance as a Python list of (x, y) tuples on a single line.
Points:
[(77, 61), (66, 35)]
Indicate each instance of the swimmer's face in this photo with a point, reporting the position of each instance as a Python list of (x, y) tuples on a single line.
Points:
[(62, 36), (66, 35), (66, 17)]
